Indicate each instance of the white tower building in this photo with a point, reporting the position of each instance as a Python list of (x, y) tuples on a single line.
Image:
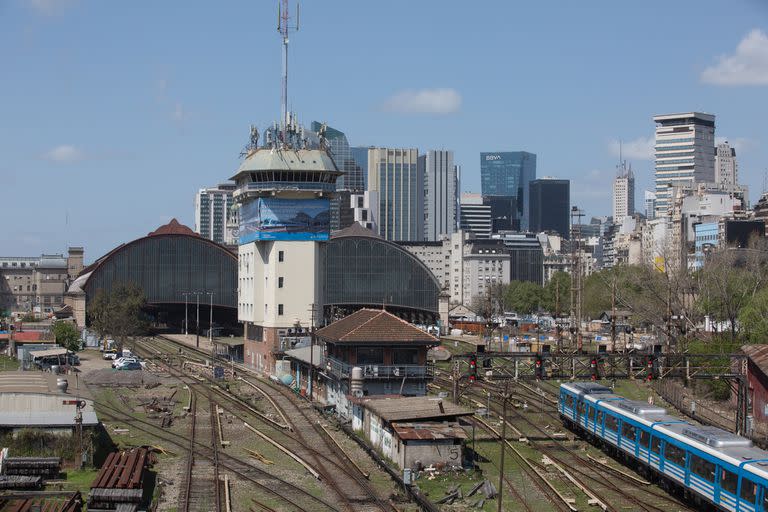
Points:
[(623, 193), (726, 168), (211, 209), (684, 154)]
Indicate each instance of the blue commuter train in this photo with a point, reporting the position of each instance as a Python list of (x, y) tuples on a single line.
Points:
[(710, 465)]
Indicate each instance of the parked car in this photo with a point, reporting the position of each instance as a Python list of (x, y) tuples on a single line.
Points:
[(124, 360), (131, 365), (110, 354)]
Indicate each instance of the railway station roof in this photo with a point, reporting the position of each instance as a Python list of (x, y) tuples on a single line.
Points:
[(758, 354)]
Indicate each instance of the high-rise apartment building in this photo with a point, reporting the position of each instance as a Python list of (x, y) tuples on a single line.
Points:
[(550, 203), (508, 174), (504, 215), (650, 205), (440, 189), (623, 193), (211, 208), (726, 168), (351, 182), (394, 175), (475, 215), (684, 154)]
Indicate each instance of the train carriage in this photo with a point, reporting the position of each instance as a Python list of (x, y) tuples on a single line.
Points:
[(713, 466)]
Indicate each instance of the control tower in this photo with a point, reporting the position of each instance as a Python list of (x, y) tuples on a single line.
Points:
[(283, 197)]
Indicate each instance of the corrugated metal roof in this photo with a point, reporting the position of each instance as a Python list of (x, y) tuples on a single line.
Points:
[(758, 354), (375, 326), (49, 353), (413, 408), (428, 431), (41, 410)]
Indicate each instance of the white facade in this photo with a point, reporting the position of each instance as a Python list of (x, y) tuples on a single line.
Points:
[(726, 168), (211, 209), (684, 154), (475, 217), (624, 194), (365, 209), (278, 281), (440, 189)]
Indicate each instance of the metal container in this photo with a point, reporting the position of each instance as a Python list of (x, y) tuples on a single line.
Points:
[(62, 384)]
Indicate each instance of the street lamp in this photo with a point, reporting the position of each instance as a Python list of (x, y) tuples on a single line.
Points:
[(186, 321)]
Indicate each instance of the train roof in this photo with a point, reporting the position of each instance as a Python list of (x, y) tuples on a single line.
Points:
[(587, 388)]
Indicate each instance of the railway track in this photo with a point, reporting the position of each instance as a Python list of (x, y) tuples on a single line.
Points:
[(614, 490), (201, 491), (306, 438), (272, 486)]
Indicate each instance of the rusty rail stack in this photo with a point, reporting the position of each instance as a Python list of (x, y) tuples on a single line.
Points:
[(120, 482)]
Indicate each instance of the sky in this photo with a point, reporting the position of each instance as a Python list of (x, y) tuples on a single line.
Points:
[(113, 114)]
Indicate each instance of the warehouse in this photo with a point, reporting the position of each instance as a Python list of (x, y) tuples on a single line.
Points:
[(413, 431), (33, 400)]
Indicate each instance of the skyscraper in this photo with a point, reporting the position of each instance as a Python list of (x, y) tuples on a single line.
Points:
[(726, 168), (650, 205), (211, 208), (360, 156), (550, 206), (623, 193), (440, 188), (394, 175), (684, 153), (475, 217), (508, 174)]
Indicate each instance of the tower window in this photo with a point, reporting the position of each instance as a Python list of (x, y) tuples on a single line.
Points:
[(280, 256), (279, 309), (279, 282)]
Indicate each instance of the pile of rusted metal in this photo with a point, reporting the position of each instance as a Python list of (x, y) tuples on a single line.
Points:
[(120, 484), (27, 472), (42, 502)]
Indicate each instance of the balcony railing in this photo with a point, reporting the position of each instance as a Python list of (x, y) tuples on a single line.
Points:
[(343, 370)]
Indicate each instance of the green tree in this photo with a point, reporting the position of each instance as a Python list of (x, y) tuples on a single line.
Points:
[(119, 313), (66, 335), (556, 296), (753, 318), (523, 297)]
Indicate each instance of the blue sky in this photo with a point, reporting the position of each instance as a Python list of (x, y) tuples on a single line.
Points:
[(112, 114)]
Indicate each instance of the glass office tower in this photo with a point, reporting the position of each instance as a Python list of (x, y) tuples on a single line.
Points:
[(508, 173)]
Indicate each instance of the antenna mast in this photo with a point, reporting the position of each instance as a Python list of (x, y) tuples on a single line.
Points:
[(284, 27)]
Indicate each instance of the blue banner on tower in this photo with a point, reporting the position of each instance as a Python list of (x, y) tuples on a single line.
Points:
[(270, 218)]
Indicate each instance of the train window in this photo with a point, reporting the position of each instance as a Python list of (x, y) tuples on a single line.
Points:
[(611, 423), (728, 481), (581, 407), (765, 498), (703, 468), (627, 431), (569, 401), (656, 445), (593, 414), (748, 490), (599, 417), (644, 438), (674, 455)]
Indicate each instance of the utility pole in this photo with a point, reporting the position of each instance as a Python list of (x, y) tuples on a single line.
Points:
[(613, 310), (576, 276), (505, 397), (311, 349), (186, 321), (210, 320), (197, 323)]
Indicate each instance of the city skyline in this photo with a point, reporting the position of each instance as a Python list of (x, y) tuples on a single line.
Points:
[(137, 126)]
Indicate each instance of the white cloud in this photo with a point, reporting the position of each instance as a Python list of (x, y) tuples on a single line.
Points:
[(641, 148), (49, 7), (748, 66), (738, 143), (425, 101), (64, 154)]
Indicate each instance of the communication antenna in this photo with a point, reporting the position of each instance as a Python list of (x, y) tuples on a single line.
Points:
[(284, 27)]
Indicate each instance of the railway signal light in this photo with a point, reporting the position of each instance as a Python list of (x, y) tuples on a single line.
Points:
[(472, 368), (593, 368), (539, 368), (650, 368)]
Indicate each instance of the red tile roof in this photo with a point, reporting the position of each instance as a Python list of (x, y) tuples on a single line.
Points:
[(375, 326), (173, 228)]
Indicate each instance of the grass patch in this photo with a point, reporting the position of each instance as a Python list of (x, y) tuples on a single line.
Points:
[(77, 480), (8, 364)]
